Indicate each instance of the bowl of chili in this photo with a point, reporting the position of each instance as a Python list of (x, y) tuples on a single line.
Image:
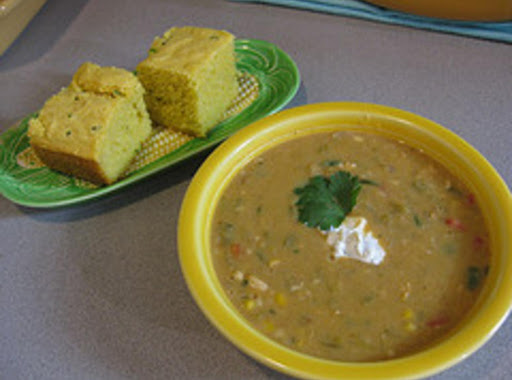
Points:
[(200, 232)]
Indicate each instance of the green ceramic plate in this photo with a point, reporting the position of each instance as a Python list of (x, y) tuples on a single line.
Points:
[(278, 79)]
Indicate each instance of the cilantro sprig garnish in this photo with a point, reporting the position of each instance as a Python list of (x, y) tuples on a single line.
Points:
[(324, 202)]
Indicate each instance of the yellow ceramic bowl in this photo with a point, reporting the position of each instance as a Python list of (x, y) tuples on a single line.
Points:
[(207, 186), (464, 10)]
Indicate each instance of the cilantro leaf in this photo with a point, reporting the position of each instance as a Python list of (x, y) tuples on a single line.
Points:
[(324, 202)]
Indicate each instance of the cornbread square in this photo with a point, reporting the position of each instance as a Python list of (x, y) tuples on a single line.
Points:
[(190, 78), (93, 128)]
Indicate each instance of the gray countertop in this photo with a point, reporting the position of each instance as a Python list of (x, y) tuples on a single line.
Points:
[(95, 291)]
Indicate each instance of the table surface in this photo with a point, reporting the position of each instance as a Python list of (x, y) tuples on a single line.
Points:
[(95, 291)]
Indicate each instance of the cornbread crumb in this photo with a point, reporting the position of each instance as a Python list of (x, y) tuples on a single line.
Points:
[(93, 128), (190, 78)]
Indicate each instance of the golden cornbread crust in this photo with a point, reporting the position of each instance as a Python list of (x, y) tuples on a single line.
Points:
[(72, 164), (93, 128), (190, 78)]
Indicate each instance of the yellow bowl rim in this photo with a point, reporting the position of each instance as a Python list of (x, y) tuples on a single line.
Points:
[(208, 183)]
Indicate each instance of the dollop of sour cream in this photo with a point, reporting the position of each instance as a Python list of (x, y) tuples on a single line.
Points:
[(354, 239)]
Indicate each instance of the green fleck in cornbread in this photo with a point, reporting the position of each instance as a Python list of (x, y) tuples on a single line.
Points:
[(93, 128), (190, 78)]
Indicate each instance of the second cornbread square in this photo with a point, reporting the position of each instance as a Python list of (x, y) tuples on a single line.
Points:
[(190, 78)]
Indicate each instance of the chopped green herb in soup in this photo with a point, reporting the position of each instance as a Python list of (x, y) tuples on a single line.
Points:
[(350, 246)]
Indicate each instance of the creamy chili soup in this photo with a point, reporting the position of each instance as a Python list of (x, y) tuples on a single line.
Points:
[(283, 276)]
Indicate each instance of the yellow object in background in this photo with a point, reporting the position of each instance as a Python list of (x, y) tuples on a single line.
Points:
[(464, 10), (14, 17)]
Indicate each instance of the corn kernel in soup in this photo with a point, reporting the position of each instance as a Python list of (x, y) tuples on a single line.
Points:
[(284, 279)]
